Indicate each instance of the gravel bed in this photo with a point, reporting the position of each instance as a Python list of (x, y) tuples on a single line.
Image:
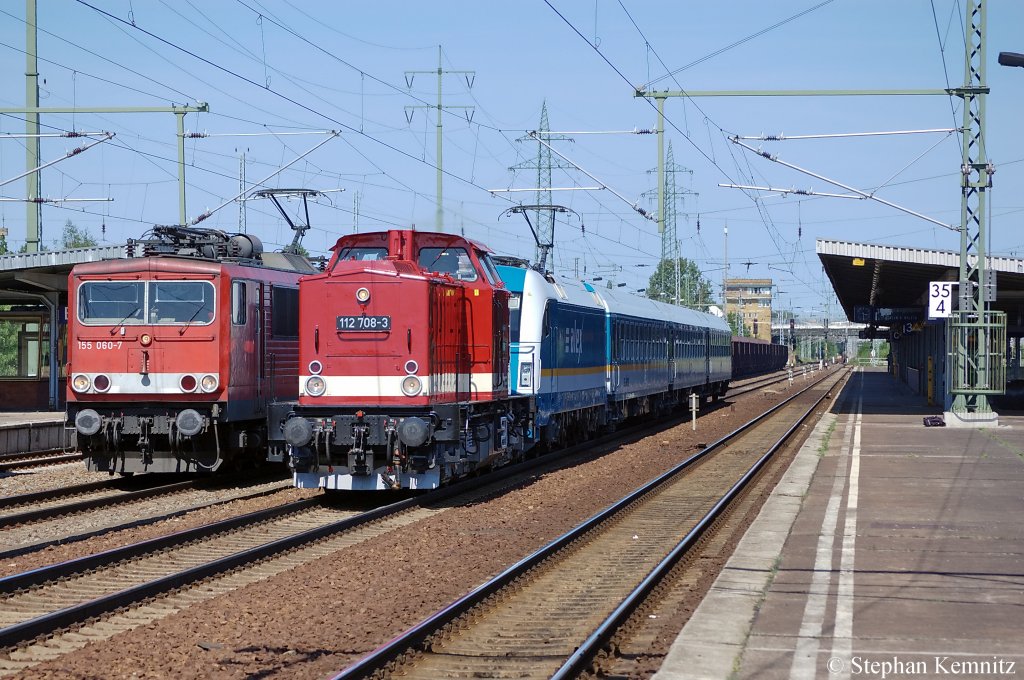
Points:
[(35, 533), (316, 619), (31, 480)]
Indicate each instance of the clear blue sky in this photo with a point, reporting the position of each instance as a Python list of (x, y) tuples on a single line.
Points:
[(341, 65)]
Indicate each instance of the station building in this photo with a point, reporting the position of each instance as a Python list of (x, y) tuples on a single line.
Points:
[(751, 299)]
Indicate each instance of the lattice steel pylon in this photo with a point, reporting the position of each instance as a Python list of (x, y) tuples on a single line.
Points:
[(545, 219), (670, 238), (976, 335)]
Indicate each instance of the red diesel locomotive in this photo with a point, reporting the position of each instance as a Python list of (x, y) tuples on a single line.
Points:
[(403, 363), (174, 356)]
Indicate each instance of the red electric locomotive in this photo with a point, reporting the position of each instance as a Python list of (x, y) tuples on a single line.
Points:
[(174, 355), (403, 361)]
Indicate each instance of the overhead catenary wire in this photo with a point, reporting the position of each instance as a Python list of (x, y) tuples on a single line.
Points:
[(69, 154), (264, 88), (838, 135), (865, 194), (632, 204), (292, 162)]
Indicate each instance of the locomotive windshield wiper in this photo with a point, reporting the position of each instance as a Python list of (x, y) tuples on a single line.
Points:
[(191, 319), (126, 317)]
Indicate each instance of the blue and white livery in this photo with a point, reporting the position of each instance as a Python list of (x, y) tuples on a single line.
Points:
[(592, 357)]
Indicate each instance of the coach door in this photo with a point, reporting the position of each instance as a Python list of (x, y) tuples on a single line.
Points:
[(671, 335), (707, 355), (245, 388)]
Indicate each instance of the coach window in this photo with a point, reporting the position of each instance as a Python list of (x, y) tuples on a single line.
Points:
[(238, 303)]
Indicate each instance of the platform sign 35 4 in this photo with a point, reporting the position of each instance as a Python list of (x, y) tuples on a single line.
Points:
[(940, 299)]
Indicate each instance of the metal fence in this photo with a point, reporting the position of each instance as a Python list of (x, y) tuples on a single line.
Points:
[(977, 353)]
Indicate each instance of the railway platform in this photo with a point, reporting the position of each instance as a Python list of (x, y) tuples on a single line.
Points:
[(889, 550), (32, 431)]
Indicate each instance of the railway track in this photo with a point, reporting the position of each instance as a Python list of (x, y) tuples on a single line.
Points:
[(34, 521), (133, 585), (800, 375), (554, 611), (20, 461), (46, 611), (45, 505)]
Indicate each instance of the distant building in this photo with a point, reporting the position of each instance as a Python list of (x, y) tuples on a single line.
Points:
[(752, 300)]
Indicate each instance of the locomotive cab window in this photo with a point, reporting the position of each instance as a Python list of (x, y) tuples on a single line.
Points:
[(515, 303), (361, 254), (490, 271), (112, 302), (154, 302), (452, 261), (175, 302)]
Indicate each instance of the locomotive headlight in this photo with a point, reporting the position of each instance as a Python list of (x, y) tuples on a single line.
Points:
[(209, 383), (315, 386), (411, 386), (187, 383), (526, 374), (363, 296), (315, 367), (81, 383), (145, 339), (101, 383), (411, 366)]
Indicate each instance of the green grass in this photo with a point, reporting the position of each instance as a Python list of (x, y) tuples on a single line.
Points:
[(823, 447)]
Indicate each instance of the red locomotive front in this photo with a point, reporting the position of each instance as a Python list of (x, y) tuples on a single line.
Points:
[(172, 359), (403, 359)]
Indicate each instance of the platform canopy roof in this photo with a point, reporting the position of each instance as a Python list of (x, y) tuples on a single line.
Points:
[(47, 272), (866, 274)]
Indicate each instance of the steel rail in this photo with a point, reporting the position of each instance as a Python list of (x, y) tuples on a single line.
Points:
[(417, 635), (74, 538), (605, 631), (54, 494), (53, 572), (93, 503), (42, 625), (37, 460)]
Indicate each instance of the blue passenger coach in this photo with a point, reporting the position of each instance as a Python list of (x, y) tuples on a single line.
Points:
[(658, 354)]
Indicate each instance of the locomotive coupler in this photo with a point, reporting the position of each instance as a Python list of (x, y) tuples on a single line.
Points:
[(359, 460), (144, 443)]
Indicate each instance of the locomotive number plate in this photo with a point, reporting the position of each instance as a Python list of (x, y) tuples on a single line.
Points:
[(364, 323)]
